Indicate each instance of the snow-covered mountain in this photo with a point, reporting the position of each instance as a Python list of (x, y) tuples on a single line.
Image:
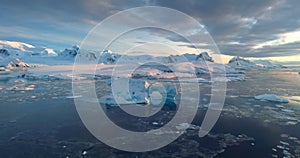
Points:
[(189, 58), (108, 57), (4, 53), (69, 52), (241, 63), (204, 56), (267, 64), (20, 46), (20, 56), (25, 49), (11, 62), (47, 52)]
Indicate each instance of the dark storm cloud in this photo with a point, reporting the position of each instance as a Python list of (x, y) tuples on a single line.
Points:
[(57, 22), (248, 22), (245, 23), (66, 10)]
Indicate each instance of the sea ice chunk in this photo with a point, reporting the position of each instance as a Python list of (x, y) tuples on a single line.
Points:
[(270, 97), (184, 126)]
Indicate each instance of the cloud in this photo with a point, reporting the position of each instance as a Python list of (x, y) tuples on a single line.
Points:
[(246, 24), (283, 38), (250, 28)]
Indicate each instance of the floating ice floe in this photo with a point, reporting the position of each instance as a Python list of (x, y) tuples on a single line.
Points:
[(270, 97), (73, 96), (185, 126), (84, 153)]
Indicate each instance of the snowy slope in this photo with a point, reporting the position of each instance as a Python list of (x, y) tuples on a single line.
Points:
[(19, 56), (24, 49), (267, 64), (16, 45), (11, 62), (241, 63), (69, 53), (204, 56), (107, 57)]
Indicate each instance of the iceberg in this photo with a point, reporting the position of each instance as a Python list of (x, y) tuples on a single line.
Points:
[(270, 97)]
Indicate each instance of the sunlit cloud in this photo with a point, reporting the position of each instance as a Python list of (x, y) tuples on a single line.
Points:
[(250, 28), (284, 38)]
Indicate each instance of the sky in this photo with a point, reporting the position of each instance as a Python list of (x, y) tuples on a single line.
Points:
[(268, 29)]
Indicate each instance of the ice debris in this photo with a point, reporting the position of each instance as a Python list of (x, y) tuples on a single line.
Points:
[(270, 97)]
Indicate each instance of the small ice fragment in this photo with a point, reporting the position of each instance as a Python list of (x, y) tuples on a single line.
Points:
[(291, 123), (284, 135), (12, 121), (154, 123), (284, 143), (256, 105), (84, 153), (73, 96), (184, 126), (286, 153), (206, 105), (28, 88), (287, 110), (293, 138), (271, 98), (279, 106), (280, 147)]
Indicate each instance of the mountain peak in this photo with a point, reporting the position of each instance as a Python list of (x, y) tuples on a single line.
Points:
[(204, 56), (16, 45)]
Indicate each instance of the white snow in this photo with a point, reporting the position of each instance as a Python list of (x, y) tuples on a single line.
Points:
[(205, 56), (73, 97), (271, 97), (9, 62), (48, 52), (267, 64), (69, 52), (16, 45), (48, 63), (107, 57), (241, 63)]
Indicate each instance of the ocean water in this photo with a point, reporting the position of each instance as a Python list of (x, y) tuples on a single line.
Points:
[(38, 119)]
